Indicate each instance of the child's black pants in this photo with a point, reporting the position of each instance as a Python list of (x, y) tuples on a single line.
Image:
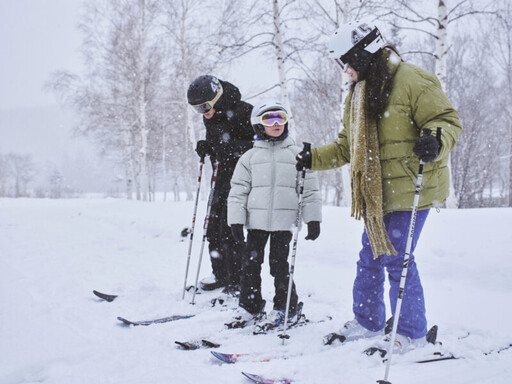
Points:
[(252, 259)]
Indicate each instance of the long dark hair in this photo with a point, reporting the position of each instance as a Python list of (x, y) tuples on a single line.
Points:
[(378, 82)]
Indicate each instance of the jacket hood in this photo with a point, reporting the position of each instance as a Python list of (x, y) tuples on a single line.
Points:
[(230, 96), (392, 58)]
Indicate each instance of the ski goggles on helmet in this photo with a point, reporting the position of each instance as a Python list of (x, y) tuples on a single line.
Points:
[(343, 65), (269, 118), (207, 105), (358, 54)]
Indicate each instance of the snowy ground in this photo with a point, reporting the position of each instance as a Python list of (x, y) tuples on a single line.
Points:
[(53, 330)]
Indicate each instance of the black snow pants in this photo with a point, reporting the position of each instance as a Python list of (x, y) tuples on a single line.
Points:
[(252, 259), (225, 253)]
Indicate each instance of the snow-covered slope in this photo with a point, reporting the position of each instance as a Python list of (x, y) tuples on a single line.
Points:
[(53, 253)]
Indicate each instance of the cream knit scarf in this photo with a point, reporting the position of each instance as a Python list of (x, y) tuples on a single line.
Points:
[(366, 178)]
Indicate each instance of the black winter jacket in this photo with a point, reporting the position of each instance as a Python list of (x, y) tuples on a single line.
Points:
[(229, 132)]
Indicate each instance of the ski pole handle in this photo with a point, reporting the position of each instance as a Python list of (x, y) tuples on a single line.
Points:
[(306, 148)]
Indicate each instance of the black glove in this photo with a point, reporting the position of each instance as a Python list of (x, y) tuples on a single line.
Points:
[(237, 230), (204, 149), (303, 160), (313, 230), (427, 148)]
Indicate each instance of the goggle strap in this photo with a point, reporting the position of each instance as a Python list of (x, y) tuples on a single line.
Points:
[(211, 103)]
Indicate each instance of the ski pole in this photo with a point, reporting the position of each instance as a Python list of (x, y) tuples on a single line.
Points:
[(405, 264), (205, 226), (201, 164), (307, 148)]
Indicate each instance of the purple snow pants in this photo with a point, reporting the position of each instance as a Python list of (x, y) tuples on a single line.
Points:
[(368, 290)]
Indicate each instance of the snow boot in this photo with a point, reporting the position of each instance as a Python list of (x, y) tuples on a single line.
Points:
[(244, 318), (275, 319), (403, 344), (232, 289), (211, 283), (351, 331)]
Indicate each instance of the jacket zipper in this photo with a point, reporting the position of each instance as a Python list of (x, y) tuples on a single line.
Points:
[(272, 182)]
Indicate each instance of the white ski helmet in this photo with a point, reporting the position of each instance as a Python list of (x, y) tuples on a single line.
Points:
[(259, 110), (356, 43)]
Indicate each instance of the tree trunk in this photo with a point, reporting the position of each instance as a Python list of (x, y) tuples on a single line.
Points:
[(441, 43), (164, 164), (441, 59), (142, 104), (278, 44)]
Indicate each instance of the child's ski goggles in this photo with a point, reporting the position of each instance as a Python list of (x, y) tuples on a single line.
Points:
[(207, 105), (269, 118)]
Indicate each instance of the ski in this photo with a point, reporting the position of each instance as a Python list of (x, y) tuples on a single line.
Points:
[(449, 356), (215, 301), (232, 358), (436, 356), (191, 345), (154, 321), (260, 380), (105, 296)]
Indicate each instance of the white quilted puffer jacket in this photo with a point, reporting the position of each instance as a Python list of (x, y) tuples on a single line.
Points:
[(265, 188)]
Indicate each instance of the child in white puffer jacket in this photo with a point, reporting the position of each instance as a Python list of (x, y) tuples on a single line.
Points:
[(264, 197)]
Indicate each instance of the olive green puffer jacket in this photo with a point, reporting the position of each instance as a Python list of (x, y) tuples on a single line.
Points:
[(416, 101)]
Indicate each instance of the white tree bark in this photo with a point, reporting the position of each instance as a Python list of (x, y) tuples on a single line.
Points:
[(442, 42), (280, 60), (141, 86), (441, 65)]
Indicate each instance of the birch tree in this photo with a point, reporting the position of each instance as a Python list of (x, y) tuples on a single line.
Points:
[(191, 28), (319, 98), (115, 94), (21, 170), (432, 21), (476, 155), (272, 29)]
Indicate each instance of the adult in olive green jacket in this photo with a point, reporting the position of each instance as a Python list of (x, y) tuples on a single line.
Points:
[(395, 115), (416, 101)]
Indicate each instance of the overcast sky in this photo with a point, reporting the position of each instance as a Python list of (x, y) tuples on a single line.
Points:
[(37, 37)]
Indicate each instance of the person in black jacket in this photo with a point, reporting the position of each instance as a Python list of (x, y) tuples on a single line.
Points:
[(229, 134)]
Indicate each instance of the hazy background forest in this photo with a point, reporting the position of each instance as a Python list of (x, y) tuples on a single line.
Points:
[(139, 56)]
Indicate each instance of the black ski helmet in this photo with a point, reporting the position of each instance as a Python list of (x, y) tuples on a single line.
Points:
[(204, 89), (258, 110)]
